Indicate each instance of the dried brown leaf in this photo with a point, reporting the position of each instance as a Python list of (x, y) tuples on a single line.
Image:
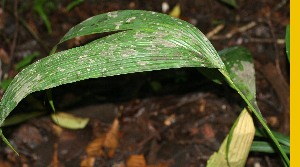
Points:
[(104, 145), (136, 161), (139, 161)]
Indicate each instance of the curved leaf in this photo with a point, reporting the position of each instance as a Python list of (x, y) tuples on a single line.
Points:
[(287, 41), (143, 46)]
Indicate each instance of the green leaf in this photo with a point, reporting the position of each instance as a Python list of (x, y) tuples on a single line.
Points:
[(240, 68), (287, 41), (148, 45), (22, 117), (73, 4), (40, 9), (69, 121), (4, 84), (232, 3), (282, 139), (7, 142), (235, 58), (266, 147), (26, 61)]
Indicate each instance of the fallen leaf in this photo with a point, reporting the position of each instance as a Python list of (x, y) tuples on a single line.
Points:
[(111, 139), (104, 145), (136, 161), (5, 164), (208, 131), (69, 121), (175, 11), (55, 161), (139, 161)]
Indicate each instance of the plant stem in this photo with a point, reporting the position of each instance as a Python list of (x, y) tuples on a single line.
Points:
[(258, 116)]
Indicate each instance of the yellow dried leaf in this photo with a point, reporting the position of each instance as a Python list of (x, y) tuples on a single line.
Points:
[(111, 139), (136, 161), (88, 162), (69, 121), (175, 11)]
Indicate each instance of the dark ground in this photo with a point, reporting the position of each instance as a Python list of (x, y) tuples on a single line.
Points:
[(179, 122)]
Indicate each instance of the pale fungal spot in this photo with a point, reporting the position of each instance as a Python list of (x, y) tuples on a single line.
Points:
[(88, 69), (60, 69), (38, 77), (128, 52), (245, 74), (160, 34), (179, 22), (92, 60), (25, 89), (195, 59), (139, 35), (142, 63), (130, 19), (112, 14), (118, 24), (165, 43), (153, 13)]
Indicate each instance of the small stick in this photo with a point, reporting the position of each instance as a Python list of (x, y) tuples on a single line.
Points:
[(215, 31)]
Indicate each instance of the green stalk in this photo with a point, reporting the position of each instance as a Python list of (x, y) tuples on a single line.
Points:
[(259, 117)]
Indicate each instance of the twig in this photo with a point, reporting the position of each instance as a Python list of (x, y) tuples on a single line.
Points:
[(241, 29), (215, 31), (267, 40), (232, 32)]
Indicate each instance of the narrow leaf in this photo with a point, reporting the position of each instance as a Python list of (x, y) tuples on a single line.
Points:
[(283, 139), (287, 41), (232, 3), (266, 147), (26, 61), (7, 142)]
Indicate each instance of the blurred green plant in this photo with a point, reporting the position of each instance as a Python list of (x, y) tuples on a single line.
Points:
[(262, 145), (42, 7), (287, 41), (19, 66), (73, 4), (231, 3), (144, 41)]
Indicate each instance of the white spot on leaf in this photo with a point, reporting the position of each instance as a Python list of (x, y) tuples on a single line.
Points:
[(112, 14), (142, 63), (130, 19), (118, 24)]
